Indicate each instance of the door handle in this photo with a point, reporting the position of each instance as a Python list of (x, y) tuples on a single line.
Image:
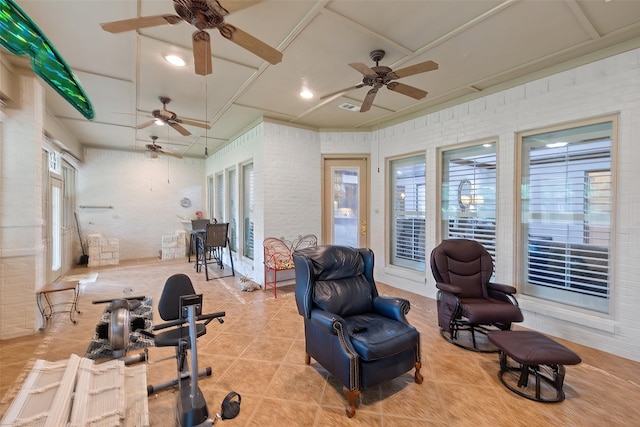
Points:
[(363, 228)]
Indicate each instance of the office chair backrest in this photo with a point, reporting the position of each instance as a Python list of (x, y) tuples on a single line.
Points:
[(169, 304)]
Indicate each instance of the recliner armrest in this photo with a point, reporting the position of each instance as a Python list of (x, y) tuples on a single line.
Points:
[(507, 289), (325, 320), (391, 307), (449, 287)]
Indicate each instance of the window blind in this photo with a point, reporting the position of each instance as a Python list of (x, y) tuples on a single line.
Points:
[(469, 194), (566, 213), (408, 207)]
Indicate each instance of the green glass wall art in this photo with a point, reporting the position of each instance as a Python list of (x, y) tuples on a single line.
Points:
[(20, 36)]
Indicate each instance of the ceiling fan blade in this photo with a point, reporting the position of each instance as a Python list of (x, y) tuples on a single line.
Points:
[(170, 153), (202, 53), (179, 128), (364, 69), (358, 86), (145, 124), (404, 89), (252, 44), (138, 23), (413, 69), (236, 5), (368, 100), (194, 123)]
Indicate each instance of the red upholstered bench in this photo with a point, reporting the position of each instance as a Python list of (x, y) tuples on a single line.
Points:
[(536, 354)]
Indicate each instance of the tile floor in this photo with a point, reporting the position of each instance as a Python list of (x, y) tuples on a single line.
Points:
[(259, 353)]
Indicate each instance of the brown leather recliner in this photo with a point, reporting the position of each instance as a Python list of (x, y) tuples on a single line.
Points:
[(466, 299)]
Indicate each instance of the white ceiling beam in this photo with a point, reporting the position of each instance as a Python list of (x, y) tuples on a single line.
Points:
[(582, 19)]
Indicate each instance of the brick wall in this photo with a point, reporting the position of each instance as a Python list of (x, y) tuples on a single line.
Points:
[(144, 194), (289, 166), (21, 248)]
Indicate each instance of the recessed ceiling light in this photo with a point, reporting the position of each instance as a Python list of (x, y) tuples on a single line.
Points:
[(176, 60), (306, 93)]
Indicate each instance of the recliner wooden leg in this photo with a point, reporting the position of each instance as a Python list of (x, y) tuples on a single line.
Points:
[(351, 401), (307, 359), (418, 378)]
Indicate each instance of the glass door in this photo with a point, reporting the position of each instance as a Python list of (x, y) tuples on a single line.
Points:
[(345, 204), (54, 232)]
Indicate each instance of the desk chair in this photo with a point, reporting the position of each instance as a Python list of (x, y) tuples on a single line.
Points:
[(196, 225), (212, 247)]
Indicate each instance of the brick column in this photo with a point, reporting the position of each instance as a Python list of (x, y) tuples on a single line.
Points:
[(21, 241)]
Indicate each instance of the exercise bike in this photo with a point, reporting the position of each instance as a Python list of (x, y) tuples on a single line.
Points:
[(191, 408)]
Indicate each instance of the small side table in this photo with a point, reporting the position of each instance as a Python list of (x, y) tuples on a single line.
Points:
[(48, 310)]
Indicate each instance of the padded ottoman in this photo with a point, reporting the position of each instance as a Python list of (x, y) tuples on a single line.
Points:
[(535, 353)]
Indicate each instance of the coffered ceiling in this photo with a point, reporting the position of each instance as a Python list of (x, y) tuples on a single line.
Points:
[(480, 46)]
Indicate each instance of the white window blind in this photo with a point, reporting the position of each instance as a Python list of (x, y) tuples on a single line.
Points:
[(247, 210), (219, 212), (469, 194), (408, 205), (566, 214), (232, 212)]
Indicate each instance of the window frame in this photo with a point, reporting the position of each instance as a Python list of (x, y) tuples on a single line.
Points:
[(232, 207), (418, 260), (489, 146), (247, 186), (580, 301)]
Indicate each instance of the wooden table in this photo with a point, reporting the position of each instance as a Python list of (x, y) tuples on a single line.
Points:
[(48, 310)]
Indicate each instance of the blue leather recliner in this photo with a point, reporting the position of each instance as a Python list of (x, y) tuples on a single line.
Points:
[(358, 336)]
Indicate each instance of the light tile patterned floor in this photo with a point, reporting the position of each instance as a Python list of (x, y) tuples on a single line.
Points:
[(259, 353)]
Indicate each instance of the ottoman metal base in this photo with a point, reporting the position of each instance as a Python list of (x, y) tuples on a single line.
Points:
[(537, 355)]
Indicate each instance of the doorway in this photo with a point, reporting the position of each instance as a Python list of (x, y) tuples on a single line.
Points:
[(54, 230), (346, 201)]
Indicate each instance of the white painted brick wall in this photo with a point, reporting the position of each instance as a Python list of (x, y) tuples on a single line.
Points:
[(145, 194), (291, 173), (606, 87), (21, 248)]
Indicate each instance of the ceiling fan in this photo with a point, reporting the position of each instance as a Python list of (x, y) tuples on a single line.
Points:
[(379, 76), (204, 15), (170, 118), (154, 149)]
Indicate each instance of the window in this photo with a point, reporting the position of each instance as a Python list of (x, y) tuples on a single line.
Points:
[(68, 196), (566, 198), (407, 197), (247, 210), (210, 197), (469, 194), (232, 212), (219, 202)]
